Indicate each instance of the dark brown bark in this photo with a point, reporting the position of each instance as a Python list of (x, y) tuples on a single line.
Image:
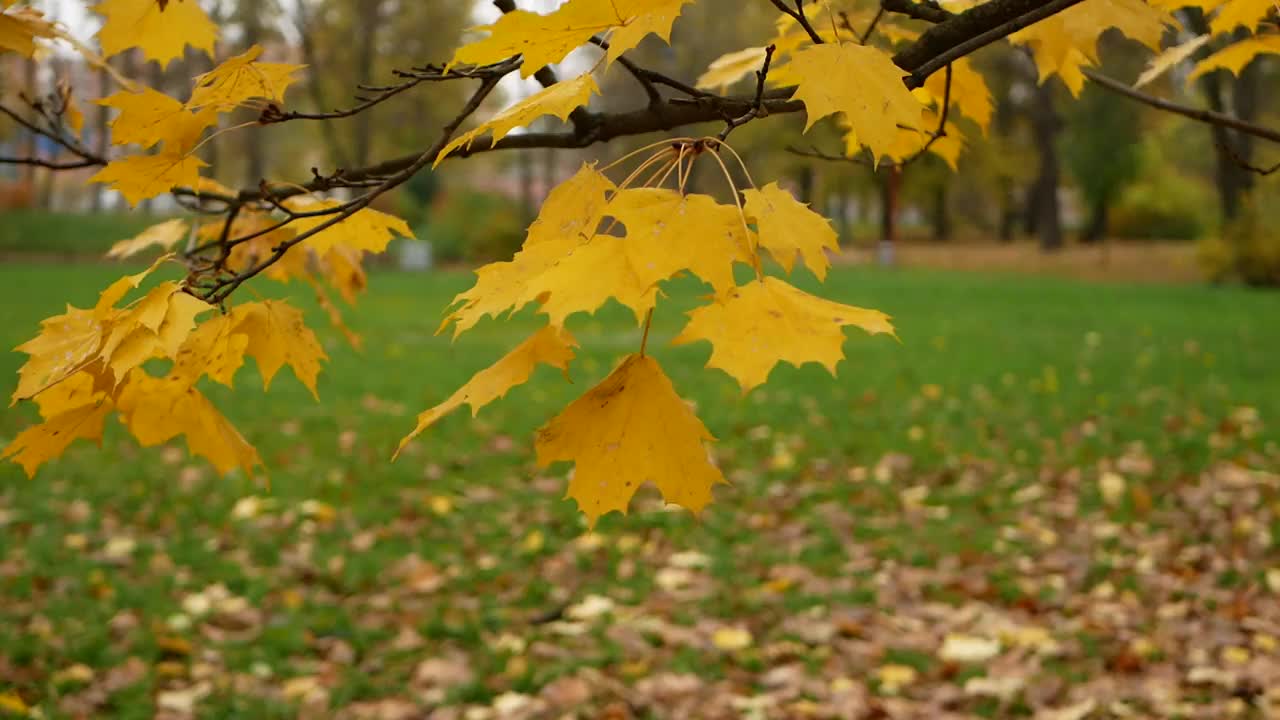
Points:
[(368, 21), (1231, 149), (307, 27), (101, 144), (254, 148), (1044, 215), (941, 213)]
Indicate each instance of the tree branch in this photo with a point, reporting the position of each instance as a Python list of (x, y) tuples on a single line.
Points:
[(1197, 114)]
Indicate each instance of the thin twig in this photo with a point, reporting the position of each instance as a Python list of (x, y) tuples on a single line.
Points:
[(798, 16), (1204, 116), (757, 106)]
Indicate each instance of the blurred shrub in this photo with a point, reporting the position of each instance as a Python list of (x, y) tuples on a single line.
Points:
[(1163, 206), (1249, 249), (472, 226)]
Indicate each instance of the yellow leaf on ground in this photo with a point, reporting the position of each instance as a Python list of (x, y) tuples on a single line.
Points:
[(768, 321), (149, 116), (366, 229), (550, 345), (40, 443), (278, 335), (159, 30), (1235, 57), (630, 429), (240, 79), (787, 227), (139, 177), (559, 100), (863, 83), (165, 234)]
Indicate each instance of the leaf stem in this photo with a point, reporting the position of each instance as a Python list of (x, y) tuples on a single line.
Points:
[(644, 339)]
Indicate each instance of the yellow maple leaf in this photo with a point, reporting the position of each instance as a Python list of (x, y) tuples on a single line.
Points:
[(247, 254), (630, 429), (213, 349), (863, 83), (787, 227), (240, 79), (21, 27), (1235, 13), (149, 116), (1160, 64), (71, 113), (38, 444), (587, 277), (70, 342), (559, 100), (969, 92), (277, 335), (568, 217), (667, 232), (1234, 57), (156, 410), (573, 208), (341, 267), (366, 229), (546, 39), (640, 19), (729, 68), (79, 390), (160, 31), (768, 321), (139, 333), (1065, 43), (138, 177), (66, 343), (165, 234), (549, 345)]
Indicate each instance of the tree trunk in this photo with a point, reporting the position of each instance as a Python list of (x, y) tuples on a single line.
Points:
[(368, 20), (1097, 227), (29, 145), (890, 185), (101, 144), (1230, 148), (1043, 211), (941, 214), (254, 150), (307, 27)]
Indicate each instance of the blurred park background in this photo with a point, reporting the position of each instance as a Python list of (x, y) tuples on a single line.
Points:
[(1057, 497)]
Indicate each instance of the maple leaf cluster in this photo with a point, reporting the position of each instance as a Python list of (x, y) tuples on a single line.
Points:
[(594, 240)]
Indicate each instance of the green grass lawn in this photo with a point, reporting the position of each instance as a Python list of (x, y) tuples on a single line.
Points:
[(43, 232), (957, 470)]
